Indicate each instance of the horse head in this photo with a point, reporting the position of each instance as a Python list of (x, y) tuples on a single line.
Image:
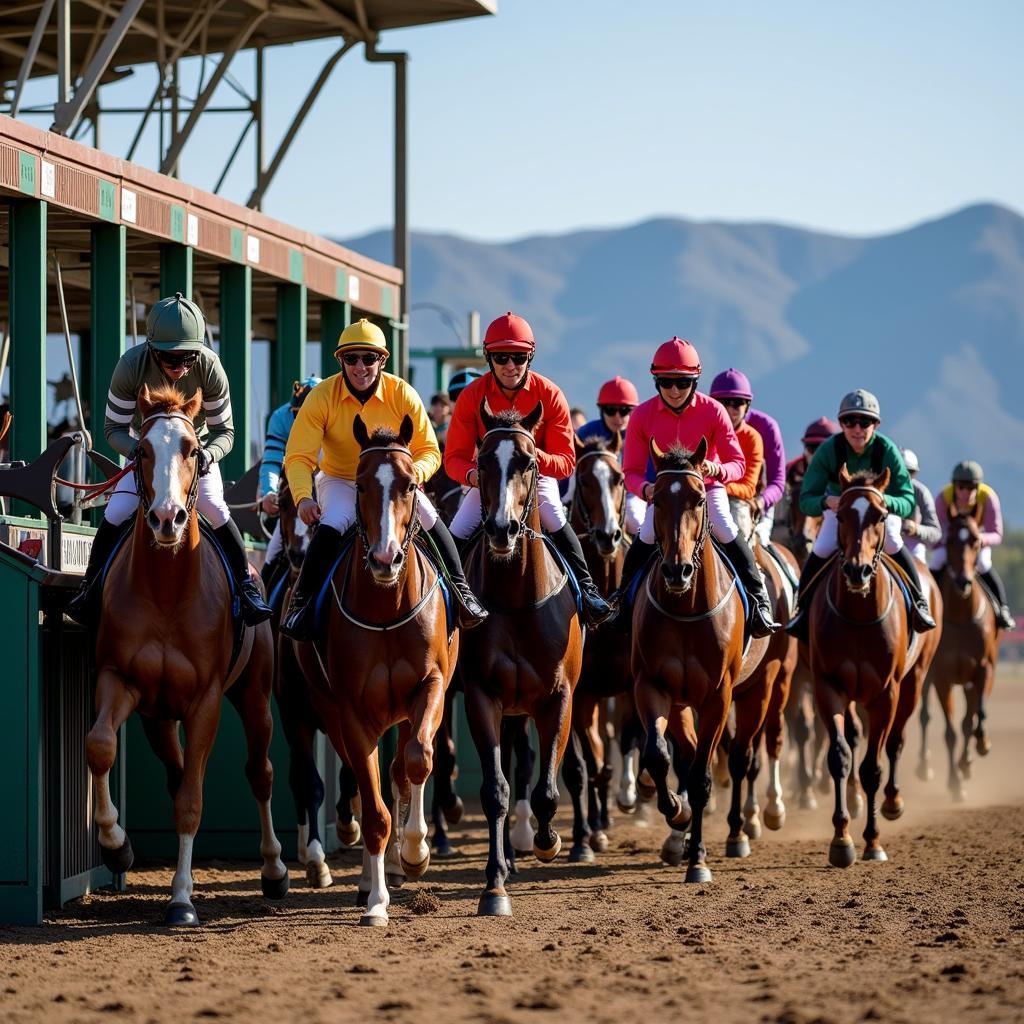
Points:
[(681, 520), (295, 534), (963, 545), (166, 461), (861, 516), (507, 476), (386, 490), (803, 530), (600, 496)]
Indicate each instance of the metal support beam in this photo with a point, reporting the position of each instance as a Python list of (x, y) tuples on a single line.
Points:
[(25, 71), (63, 52), (236, 356), (335, 316), (107, 288), (175, 270), (290, 345)]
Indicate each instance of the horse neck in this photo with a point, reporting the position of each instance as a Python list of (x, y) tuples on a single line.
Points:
[(377, 603), (165, 574), (526, 577)]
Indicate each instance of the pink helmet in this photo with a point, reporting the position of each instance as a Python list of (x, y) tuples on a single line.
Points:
[(618, 391), (731, 383), (676, 356)]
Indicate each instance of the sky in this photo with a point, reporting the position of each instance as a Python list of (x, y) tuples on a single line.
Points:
[(855, 118)]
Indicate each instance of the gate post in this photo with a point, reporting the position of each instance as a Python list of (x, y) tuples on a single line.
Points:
[(290, 345), (175, 270), (236, 356), (107, 335), (335, 316)]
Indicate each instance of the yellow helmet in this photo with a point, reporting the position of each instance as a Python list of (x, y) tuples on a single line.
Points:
[(362, 334)]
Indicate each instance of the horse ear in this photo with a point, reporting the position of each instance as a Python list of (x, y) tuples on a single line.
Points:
[(577, 444), (882, 480), (193, 405), (145, 402), (844, 476), (405, 432), (531, 420), (488, 419), (359, 432), (615, 445), (700, 452), (656, 453)]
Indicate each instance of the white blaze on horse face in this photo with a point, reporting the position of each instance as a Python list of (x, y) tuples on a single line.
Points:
[(603, 475), (676, 487), (302, 533), (169, 495), (861, 506), (388, 544), (504, 453)]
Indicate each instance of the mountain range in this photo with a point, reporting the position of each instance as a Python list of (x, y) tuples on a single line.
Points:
[(931, 319)]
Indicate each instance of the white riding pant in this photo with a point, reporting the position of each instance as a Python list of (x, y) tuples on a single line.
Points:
[(549, 501), (275, 545), (210, 500), (723, 526), (764, 527), (827, 540), (636, 511), (938, 559), (337, 501)]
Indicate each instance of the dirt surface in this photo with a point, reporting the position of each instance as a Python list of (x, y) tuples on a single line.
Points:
[(937, 933)]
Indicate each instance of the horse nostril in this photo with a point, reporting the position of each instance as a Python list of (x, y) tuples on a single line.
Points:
[(180, 517), (617, 536), (397, 560), (686, 570), (513, 527), (153, 519)]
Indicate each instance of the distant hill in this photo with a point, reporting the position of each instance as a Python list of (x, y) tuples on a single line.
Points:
[(931, 319)]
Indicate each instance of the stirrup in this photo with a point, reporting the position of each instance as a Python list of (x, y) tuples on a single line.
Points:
[(471, 612), (296, 624)]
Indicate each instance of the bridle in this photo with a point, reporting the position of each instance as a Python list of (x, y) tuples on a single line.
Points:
[(843, 561), (581, 506), (414, 521), (531, 497), (705, 526), (140, 484)]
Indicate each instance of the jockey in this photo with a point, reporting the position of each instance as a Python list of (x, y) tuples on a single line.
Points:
[(921, 530), (744, 489), (175, 353), (278, 428), (323, 436), (679, 414), (511, 384), (967, 492), (859, 447), (616, 401), (459, 381), (816, 434)]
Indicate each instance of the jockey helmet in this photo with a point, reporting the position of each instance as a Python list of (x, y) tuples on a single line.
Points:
[(967, 472), (731, 383), (509, 333), (363, 334), (301, 388), (460, 380), (618, 391), (176, 323), (676, 356), (910, 460), (863, 402), (820, 430)]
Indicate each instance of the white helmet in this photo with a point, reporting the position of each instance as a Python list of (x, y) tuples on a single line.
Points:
[(910, 460)]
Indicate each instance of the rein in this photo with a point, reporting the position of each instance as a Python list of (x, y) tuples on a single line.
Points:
[(581, 506), (140, 484)]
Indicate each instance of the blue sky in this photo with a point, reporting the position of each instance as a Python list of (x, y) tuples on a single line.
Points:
[(858, 118)]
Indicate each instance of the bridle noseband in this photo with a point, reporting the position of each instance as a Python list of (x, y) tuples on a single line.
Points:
[(140, 484), (414, 521)]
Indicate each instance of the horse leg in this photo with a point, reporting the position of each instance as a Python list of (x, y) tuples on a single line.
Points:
[(880, 719), (944, 691), (832, 706), (854, 734), (966, 762), (819, 750), (574, 772), (162, 734), (508, 727), (307, 792), (751, 808), (801, 732), (740, 759), (654, 707), (924, 759), (683, 748), (603, 778), (711, 720), (910, 688), (516, 738), (424, 722), (983, 686), (592, 748), (774, 725), (629, 741), (347, 824), (445, 803), (114, 703), (400, 793), (376, 825), (554, 721)]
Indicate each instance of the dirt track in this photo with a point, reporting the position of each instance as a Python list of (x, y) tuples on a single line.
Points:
[(937, 933)]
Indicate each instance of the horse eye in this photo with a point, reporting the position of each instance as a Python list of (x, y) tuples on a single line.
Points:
[(412, 486)]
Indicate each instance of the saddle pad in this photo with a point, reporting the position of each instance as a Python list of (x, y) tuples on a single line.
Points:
[(574, 583)]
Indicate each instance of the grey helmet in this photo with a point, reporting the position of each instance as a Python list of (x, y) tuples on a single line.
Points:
[(967, 472), (860, 401), (176, 323), (910, 460)]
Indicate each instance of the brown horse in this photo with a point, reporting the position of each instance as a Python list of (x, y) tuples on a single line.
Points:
[(164, 649), (968, 652), (386, 659), (526, 658), (860, 650), (687, 644)]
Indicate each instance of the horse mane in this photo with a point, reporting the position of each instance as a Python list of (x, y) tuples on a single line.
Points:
[(677, 457), (862, 478), (594, 444), (384, 436), (508, 418), (167, 398)]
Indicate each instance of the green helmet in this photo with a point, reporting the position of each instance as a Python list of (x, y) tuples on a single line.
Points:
[(860, 401), (967, 472), (176, 323)]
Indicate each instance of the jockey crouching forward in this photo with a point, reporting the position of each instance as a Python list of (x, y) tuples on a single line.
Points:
[(679, 414), (511, 384), (324, 425), (175, 353), (859, 447)]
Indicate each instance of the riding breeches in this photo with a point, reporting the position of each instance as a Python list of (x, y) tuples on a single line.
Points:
[(549, 501), (337, 501), (210, 500), (765, 525), (636, 510), (723, 526), (275, 545), (938, 559), (827, 540)]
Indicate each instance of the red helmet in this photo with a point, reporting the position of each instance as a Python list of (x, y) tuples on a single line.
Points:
[(820, 430), (676, 356), (618, 391), (509, 333)]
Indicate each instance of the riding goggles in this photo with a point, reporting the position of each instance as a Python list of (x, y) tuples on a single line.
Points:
[(857, 421), (175, 360), (667, 383), (734, 403), (616, 410), (503, 358), (366, 358)]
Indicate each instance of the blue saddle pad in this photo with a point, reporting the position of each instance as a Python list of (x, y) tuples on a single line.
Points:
[(276, 596), (574, 583)]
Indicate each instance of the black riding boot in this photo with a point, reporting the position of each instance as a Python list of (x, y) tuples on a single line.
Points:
[(810, 575), (254, 609), (84, 606), (762, 622), (923, 620), (595, 608), (995, 586), (637, 557), (471, 611), (323, 550)]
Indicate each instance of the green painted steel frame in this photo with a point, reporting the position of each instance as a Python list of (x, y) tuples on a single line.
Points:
[(175, 270), (236, 355), (107, 325), (335, 316), (290, 346)]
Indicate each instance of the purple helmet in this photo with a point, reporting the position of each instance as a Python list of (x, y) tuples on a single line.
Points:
[(731, 383)]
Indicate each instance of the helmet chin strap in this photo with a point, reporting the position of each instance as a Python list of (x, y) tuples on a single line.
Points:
[(515, 387), (680, 409)]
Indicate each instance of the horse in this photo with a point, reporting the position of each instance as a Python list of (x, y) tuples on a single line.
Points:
[(385, 657), (164, 648), (967, 655), (688, 640), (860, 650), (526, 658)]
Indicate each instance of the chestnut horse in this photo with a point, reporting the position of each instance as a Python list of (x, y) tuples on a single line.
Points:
[(526, 658), (687, 644), (967, 655), (164, 649), (860, 650), (386, 658)]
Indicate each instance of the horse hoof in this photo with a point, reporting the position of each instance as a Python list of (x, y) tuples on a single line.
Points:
[(599, 841), (181, 915), (925, 772), (348, 834), (374, 921), (842, 853), (494, 904), (453, 814), (673, 849), (581, 853), (393, 880), (892, 809), (276, 888), (319, 876), (416, 870), (546, 856), (645, 788), (752, 827), (624, 807), (737, 847), (965, 770), (808, 801), (772, 820), (959, 795), (983, 746), (362, 898), (442, 845), (120, 860), (698, 874), (875, 853)]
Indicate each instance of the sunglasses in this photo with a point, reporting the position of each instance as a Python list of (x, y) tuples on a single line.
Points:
[(366, 358), (682, 383), (812, 448), (504, 358), (857, 421), (173, 360), (616, 410), (733, 403)]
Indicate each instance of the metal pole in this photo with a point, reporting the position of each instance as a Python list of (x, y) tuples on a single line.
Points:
[(63, 52), (67, 345), (45, 13), (474, 328), (236, 356), (260, 133)]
